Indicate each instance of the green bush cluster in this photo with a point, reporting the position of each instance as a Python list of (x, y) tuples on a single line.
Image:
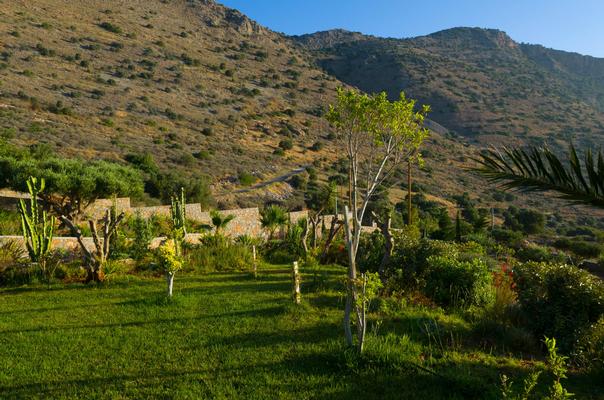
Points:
[(218, 253), (459, 283), (560, 300)]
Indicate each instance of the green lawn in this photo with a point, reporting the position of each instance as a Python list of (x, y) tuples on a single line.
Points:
[(230, 336)]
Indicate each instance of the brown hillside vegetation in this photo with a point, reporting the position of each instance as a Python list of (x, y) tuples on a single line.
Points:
[(208, 92)]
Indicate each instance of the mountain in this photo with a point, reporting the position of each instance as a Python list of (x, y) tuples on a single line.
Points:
[(200, 87), (480, 82), (206, 91)]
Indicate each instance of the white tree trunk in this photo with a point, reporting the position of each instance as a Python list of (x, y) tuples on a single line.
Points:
[(296, 283), (350, 288), (170, 282)]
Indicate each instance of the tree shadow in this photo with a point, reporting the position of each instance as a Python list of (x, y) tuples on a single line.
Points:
[(263, 313)]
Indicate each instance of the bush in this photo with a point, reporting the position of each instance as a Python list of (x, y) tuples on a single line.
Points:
[(581, 248), (589, 351), (286, 144), (10, 223), (560, 301), (218, 253), (247, 179), (108, 26), (14, 269), (451, 282)]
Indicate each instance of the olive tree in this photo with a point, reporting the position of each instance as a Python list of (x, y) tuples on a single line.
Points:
[(377, 136), (71, 184)]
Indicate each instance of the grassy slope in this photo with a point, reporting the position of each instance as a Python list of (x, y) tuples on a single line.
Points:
[(228, 336)]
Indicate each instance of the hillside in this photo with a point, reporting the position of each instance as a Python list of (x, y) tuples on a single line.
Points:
[(201, 87), (207, 92), (479, 82)]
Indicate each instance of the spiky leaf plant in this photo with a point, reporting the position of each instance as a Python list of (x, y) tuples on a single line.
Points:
[(37, 228), (539, 169)]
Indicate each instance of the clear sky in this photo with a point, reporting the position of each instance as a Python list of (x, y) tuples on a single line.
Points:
[(571, 25)]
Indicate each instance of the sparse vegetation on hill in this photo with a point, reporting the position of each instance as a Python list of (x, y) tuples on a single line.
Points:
[(480, 83)]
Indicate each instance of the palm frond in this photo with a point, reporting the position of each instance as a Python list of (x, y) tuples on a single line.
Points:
[(539, 169)]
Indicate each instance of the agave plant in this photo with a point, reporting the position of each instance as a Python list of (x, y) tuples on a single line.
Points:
[(538, 169)]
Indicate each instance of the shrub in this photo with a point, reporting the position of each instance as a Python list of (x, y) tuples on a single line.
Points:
[(581, 248), (560, 300), (142, 237), (316, 146), (451, 282), (10, 223), (14, 268), (218, 253), (589, 351), (108, 26), (286, 144), (247, 179)]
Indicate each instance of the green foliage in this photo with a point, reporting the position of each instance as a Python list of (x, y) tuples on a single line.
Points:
[(143, 233), (13, 268), (455, 283), (108, 26), (37, 228), (369, 285), (559, 300), (178, 215), (579, 247), (10, 222), (286, 144), (218, 253), (164, 185), (508, 391), (71, 184), (557, 366), (247, 179), (272, 218), (220, 221), (589, 351), (539, 169), (527, 221), (168, 258)]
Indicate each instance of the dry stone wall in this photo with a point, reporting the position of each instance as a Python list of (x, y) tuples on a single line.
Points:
[(246, 221)]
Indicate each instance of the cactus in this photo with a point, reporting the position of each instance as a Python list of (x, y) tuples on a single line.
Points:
[(37, 228), (179, 220)]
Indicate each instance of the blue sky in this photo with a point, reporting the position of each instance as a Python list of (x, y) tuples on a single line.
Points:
[(572, 25)]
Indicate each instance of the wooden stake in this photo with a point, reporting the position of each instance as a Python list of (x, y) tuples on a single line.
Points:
[(254, 265)]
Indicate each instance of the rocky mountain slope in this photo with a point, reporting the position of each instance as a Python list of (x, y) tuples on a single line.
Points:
[(206, 91), (201, 87), (480, 82)]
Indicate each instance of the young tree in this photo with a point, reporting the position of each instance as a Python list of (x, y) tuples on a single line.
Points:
[(94, 261), (377, 136), (170, 262), (318, 199)]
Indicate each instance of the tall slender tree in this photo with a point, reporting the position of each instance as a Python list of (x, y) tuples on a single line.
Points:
[(377, 136)]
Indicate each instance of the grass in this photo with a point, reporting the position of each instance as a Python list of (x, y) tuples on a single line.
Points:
[(226, 335)]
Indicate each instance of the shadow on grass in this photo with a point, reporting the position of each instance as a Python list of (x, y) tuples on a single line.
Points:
[(265, 313), (333, 374), (57, 287)]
